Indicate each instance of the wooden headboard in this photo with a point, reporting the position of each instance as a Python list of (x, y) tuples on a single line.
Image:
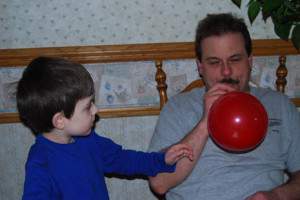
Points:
[(157, 52)]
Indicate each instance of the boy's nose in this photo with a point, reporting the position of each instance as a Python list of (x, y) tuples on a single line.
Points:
[(94, 109)]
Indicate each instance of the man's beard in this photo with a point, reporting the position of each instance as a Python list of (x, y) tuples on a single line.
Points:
[(230, 81)]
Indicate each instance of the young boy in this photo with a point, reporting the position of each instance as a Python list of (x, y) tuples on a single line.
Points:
[(55, 99)]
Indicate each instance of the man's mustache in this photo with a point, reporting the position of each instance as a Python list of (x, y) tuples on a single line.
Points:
[(230, 81)]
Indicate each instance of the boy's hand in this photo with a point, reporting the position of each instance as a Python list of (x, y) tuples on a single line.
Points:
[(178, 151)]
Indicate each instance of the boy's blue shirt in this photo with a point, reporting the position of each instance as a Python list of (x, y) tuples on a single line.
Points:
[(76, 170)]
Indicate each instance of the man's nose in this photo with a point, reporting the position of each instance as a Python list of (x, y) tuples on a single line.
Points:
[(226, 69)]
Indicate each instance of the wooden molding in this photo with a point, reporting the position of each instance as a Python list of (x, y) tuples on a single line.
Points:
[(194, 84), (296, 101), (131, 52), (129, 112), (103, 113), (156, 52), (6, 118), (100, 53)]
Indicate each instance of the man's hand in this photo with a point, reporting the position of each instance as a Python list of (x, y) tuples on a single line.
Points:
[(178, 151), (212, 95), (287, 191), (264, 195)]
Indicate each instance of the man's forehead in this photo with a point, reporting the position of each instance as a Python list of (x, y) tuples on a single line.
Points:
[(214, 57), (223, 52), (216, 41)]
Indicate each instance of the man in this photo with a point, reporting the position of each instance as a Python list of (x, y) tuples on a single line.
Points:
[(224, 59)]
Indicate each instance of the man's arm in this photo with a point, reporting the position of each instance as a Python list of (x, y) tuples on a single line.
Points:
[(287, 191), (197, 138)]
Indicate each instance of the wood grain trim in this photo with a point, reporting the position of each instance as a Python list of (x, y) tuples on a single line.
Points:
[(6, 118), (127, 53), (271, 47), (103, 113), (129, 112), (100, 54), (130, 52), (195, 84), (296, 101)]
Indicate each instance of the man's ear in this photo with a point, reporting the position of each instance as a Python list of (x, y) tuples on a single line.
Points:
[(199, 66), (250, 60), (58, 120)]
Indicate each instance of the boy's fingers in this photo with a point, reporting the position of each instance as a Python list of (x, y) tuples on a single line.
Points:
[(184, 146), (180, 151), (189, 155), (186, 153)]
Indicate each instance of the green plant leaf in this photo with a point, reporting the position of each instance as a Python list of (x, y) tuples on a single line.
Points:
[(268, 6), (296, 37), (285, 15), (237, 3), (279, 16), (253, 10), (282, 30)]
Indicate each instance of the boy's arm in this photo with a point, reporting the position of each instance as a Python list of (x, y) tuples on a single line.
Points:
[(115, 159), (37, 182)]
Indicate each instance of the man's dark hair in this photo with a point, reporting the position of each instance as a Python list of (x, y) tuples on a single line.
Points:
[(220, 24), (48, 86)]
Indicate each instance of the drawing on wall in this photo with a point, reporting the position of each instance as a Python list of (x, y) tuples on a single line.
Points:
[(297, 84), (9, 78), (255, 75), (8, 97), (177, 83), (294, 83), (96, 71), (115, 91), (268, 79), (133, 84), (144, 90)]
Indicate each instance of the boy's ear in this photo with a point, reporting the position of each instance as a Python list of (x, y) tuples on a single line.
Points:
[(58, 120)]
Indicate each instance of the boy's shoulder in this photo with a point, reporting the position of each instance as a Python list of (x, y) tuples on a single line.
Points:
[(37, 154)]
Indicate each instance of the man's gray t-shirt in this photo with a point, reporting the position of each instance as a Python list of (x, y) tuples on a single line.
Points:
[(221, 175)]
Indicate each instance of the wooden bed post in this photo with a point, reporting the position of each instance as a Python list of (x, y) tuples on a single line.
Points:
[(160, 78), (281, 74)]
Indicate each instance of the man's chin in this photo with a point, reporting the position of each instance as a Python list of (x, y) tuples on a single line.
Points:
[(243, 89), (235, 86)]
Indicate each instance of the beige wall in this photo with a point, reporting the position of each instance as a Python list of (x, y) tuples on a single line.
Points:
[(39, 23)]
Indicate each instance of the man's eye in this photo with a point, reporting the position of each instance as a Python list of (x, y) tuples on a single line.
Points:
[(235, 59), (213, 62)]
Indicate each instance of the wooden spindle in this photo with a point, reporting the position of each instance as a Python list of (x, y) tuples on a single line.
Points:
[(160, 78), (281, 74)]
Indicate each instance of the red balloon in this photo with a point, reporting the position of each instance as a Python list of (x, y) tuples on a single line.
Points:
[(237, 122)]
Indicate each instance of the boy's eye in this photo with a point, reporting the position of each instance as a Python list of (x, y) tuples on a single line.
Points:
[(88, 106)]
